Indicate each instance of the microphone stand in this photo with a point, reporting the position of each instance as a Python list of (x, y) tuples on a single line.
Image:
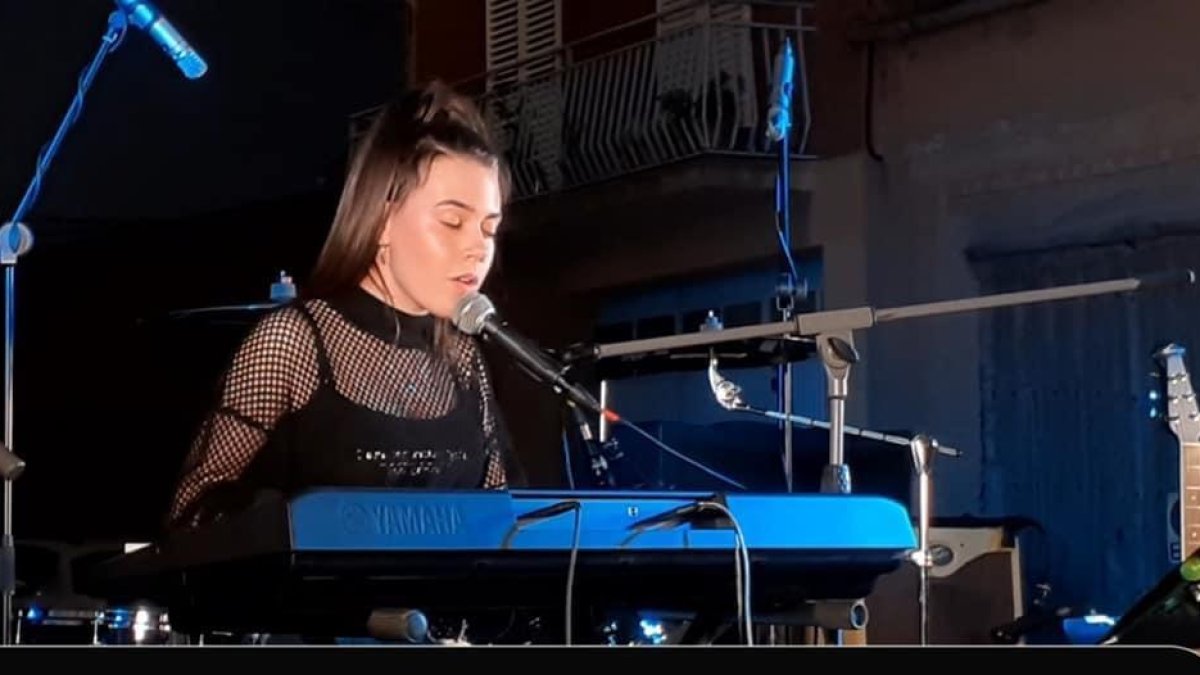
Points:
[(729, 396), (574, 394), (923, 449), (833, 331), (601, 474), (15, 240), (779, 130), (11, 467)]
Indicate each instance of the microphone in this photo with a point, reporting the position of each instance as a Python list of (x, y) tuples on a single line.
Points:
[(146, 16), (779, 114), (475, 315), (728, 394)]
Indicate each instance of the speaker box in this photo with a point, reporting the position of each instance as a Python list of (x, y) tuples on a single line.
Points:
[(974, 586)]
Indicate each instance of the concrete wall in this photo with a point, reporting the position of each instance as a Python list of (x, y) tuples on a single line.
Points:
[(1067, 120), (1059, 124)]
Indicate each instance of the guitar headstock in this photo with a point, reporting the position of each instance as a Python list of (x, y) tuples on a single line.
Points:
[(1181, 414)]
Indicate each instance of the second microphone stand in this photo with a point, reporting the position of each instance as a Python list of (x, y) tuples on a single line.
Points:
[(922, 448), (833, 332)]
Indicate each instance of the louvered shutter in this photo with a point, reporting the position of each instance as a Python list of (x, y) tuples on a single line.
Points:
[(523, 41)]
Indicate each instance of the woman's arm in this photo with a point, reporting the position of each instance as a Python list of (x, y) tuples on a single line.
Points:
[(273, 371)]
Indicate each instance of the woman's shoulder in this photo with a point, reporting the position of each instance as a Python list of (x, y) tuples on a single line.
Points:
[(292, 316), (291, 324)]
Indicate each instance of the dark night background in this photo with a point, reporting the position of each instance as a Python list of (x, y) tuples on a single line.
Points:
[(167, 194)]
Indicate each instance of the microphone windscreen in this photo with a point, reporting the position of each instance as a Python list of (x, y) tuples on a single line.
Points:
[(471, 312)]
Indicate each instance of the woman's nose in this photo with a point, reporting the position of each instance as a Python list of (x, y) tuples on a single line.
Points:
[(475, 242)]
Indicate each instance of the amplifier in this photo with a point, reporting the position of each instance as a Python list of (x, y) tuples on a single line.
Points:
[(974, 586)]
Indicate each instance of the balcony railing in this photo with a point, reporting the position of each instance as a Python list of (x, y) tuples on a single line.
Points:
[(700, 85)]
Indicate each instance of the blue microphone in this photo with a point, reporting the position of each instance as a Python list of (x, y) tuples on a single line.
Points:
[(146, 16), (779, 114)]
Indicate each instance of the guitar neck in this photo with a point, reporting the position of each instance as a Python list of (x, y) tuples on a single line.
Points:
[(1189, 497)]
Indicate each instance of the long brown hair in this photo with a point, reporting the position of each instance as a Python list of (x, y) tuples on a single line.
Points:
[(404, 137)]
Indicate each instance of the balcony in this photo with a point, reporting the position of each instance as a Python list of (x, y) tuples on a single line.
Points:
[(693, 81)]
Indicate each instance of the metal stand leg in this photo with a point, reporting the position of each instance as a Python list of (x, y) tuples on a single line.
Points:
[(838, 354), (923, 450), (11, 467)]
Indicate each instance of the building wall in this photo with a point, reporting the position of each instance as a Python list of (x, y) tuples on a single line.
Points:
[(1065, 124), (448, 39), (1052, 143)]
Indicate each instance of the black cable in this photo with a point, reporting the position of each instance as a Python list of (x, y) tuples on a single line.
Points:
[(741, 556), (546, 512)]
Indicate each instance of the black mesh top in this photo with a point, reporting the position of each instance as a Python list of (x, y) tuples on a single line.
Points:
[(344, 392)]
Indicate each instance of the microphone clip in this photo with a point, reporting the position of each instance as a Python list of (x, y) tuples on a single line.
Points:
[(596, 451)]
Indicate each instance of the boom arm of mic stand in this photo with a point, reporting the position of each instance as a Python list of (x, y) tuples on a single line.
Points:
[(815, 323), (834, 327), (850, 429)]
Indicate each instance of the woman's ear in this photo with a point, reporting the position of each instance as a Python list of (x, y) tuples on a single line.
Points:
[(384, 232)]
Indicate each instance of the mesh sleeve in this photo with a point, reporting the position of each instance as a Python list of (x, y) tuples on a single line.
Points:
[(273, 371)]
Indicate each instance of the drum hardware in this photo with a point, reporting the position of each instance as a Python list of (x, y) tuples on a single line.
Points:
[(282, 291)]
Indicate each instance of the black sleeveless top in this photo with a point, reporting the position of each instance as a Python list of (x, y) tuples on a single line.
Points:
[(345, 392)]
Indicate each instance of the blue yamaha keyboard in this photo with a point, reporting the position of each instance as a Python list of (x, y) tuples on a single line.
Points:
[(324, 520), (337, 553)]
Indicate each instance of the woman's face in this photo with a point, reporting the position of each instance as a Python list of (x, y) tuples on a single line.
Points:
[(438, 245)]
